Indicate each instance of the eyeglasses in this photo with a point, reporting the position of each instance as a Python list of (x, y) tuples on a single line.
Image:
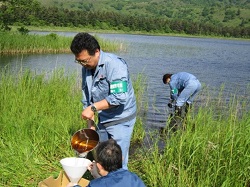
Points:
[(83, 62)]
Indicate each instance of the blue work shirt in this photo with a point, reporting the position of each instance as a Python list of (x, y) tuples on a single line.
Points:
[(178, 82), (96, 87), (118, 178)]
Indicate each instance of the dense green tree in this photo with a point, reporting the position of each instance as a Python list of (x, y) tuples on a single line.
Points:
[(22, 11), (30, 12)]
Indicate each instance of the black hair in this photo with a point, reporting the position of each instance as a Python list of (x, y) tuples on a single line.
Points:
[(109, 155), (84, 41), (165, 77)]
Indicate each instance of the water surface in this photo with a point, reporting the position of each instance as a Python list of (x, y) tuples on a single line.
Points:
[(213, 61)]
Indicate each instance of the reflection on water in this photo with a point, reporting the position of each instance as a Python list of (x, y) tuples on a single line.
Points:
[(214, 62)]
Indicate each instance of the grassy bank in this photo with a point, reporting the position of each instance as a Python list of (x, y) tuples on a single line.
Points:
[(89, 30), (39, 116), (13, 42)]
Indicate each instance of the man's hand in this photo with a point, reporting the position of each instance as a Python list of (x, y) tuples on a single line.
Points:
[(94, 170), (87, 113)]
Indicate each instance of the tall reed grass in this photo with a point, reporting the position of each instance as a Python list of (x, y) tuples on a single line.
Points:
[(39, 114), (13, 42), (214, 150)]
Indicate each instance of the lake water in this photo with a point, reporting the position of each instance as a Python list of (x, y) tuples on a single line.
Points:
[(213, 61)]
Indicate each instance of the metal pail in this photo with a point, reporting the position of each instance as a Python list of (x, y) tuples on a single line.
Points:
[(84, 140)]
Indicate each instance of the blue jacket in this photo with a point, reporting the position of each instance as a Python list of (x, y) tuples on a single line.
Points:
[(119, 178), (178, 82), (110, 69)]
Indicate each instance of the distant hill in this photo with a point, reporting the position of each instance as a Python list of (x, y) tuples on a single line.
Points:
[(230, 13), (226, 18)]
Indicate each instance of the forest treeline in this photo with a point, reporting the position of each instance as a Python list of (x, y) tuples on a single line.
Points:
[(33, 13)]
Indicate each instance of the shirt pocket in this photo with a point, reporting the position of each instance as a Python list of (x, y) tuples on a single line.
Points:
[(100, 89)]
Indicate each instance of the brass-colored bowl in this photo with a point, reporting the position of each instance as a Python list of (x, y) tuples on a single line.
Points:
[(84, 140)]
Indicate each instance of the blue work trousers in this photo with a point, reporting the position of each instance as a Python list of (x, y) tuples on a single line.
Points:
[(189, 92), (122, 134)]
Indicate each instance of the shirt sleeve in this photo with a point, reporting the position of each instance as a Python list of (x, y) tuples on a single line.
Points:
[(118, 73), (173, 91)]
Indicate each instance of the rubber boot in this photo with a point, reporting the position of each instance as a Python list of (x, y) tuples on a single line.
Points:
[(178, 110)]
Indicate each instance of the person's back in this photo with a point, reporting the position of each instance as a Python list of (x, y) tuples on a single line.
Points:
[(180, 80), (108, 165)]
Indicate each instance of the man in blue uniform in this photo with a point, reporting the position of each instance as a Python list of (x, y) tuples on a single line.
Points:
[(107, 168), (183, 89), (107, 90)]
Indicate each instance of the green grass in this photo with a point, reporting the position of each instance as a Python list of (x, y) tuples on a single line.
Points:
[(40, 113), (13, 42), (212, 151)]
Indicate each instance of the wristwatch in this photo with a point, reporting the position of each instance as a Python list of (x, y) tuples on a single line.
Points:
[(93, 108)]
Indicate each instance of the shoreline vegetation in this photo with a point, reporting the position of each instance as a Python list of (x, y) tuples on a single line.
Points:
[(14, 42), (36, 132), (77, 29)]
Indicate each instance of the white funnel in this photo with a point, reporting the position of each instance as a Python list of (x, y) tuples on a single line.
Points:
[(75, 167)]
